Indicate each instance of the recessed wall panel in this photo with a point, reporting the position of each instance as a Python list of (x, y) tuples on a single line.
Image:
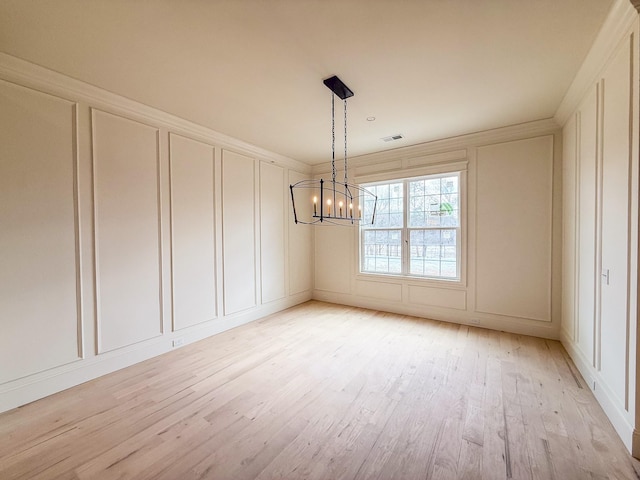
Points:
[(39, 317), (238, 232), (128, 283), (300, 246), (569, 195), (272, 232), (333, 256), (379, 290), (193, 232), (616, 155), (586, 218), (513, 246), (438, 297)]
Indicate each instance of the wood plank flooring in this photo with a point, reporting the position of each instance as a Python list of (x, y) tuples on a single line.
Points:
[(323, 391)]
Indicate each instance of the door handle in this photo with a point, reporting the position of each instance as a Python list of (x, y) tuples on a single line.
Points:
[(605, 276)]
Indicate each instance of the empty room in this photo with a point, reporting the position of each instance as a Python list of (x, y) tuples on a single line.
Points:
[(319, 239)]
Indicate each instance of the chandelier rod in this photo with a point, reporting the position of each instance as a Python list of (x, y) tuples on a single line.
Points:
[(346, 177)]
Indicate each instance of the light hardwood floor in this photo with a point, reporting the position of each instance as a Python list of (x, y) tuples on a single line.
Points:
[(326, 392)]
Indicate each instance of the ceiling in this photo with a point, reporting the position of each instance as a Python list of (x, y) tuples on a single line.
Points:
[(253, 69)]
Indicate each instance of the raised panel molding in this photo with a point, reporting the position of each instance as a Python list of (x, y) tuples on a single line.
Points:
[(128, 229), (333, 257), (272, 232), (586, 225), (300, 252), (379, 290), (193, 235), (438, 297), (570, 226), (514, 205), (435, 158), (378, 167), (40, 278), (613, 324), (238, 232)]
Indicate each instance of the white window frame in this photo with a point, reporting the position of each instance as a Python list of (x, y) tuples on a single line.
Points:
[(419, 174)]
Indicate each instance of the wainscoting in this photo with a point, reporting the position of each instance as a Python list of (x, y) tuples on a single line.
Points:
[(600, 254), (127, 232)]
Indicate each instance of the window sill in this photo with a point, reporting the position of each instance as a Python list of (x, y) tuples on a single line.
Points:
[(453, 284)]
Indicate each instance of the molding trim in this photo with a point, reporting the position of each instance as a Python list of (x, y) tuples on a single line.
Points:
[(616, 26), (214, 245), (99, 348), (19, 71), (77, 230), (446, 145)]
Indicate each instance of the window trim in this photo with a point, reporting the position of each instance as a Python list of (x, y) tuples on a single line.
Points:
[(458, 168)]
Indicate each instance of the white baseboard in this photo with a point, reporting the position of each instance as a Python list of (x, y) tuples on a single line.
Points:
[(34, 387), (463, 317), (618, 416)]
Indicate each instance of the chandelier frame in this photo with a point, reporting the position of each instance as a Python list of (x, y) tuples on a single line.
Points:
[(344, 196)]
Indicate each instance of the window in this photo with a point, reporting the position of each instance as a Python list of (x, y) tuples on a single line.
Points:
[(416, 230)]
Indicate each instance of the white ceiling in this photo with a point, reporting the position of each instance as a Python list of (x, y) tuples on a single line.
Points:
[(253, 69)]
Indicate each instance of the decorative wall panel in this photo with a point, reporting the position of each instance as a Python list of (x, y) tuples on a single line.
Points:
[(238, 231), (379, 290), (616, 167), (438, 297), (39, 303), (272, 232), (192, 231), (514, 215), (300, 245), (127, 231), (586, 231)]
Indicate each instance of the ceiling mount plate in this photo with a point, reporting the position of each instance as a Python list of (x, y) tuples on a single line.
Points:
[(338, 87)]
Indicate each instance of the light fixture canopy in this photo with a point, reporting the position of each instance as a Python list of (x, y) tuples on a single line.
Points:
[(331, 202)]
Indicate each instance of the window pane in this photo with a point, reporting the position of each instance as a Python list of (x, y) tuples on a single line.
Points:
[(449, 184), (390, 206), (382, 252), (417, 219), (433, 253), (434, 202)]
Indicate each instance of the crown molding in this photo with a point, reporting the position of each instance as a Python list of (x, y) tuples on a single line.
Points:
[(21, 72), (462, 142), (616, 26)]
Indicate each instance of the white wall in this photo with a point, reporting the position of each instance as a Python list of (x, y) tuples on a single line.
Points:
[(125, 229), (600, 118), (511, 239)]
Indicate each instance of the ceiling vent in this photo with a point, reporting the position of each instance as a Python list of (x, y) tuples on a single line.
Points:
[(392, 138)]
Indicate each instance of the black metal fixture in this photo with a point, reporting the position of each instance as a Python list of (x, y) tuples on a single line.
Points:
[(332, 202)]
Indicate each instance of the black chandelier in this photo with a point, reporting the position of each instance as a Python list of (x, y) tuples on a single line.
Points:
[(334, 202)]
